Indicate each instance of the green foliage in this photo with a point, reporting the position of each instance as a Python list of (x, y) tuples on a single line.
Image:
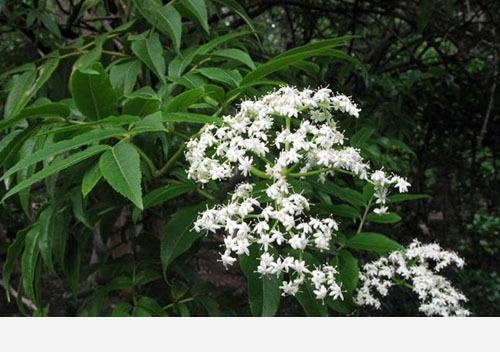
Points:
[(92, 144)]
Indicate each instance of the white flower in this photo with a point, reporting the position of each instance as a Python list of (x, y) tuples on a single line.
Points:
[(298, 242), (226, 259), (288, 133), (436, 294)]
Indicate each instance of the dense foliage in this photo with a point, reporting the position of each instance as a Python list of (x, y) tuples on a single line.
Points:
[(105, 188)]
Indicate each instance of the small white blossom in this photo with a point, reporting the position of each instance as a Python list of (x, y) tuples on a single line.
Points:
[(418, 265)]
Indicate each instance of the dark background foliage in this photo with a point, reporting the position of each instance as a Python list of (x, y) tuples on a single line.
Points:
[(427, 86)]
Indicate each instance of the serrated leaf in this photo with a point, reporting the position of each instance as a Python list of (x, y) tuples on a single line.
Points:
[(93, 93), (150, 51), (26, 85), (375, 242), (235, 54), (141, 105), (219, 75), (198, 10), (124, 76), (177, 67), (57, 148), (46, 110), (183, 101), (179, 234), (121, 167), (166, 18), (163, 194), (90, 179), (19, 94), (282, 62), (263, 292), (56, 167)]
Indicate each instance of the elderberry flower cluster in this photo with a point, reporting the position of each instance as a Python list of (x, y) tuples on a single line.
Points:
[(281, 223), (284, 135), (417, 266)]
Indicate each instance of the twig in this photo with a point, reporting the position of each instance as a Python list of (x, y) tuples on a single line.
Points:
[(28, 303)]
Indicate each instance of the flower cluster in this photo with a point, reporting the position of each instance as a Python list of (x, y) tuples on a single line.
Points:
[(418, 266), (286, 134), (279, 224)]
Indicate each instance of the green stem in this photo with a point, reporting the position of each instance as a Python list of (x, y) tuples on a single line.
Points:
[(148, 161), (181, 301), (205, 194), (171, 162), (259, 173), (365, 214)]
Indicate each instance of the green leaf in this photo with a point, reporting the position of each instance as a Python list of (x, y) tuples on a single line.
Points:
[(150, 123), (346, 194), (177, 67), (388, 218), (46, 110), (190, 117), (312, 307), (219, 75), (318, 45), (198, 10), (124, 76), (375, 242), (166, 18), (121, 167), (50, 24), (362, 136), (90, 179), (93, 93), (24, 86), (47, 223), (141, 105), (152, 306), (29, 262), (150, 51), (263, 292), (235, 54), (90, 58), (54, 149), (13, 252), (20, 93), (179, 234), (407, 196), (282, 62), (347, 266), (79, 211), (56, 167), (184, 100), (122, 310), (342, 210), (236, 7), (162, 194)]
